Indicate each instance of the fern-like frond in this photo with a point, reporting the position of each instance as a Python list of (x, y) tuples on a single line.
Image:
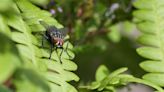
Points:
[(151, 24), (8, 52), (57, 74), (106, 81), (109, 81), (22, 61)]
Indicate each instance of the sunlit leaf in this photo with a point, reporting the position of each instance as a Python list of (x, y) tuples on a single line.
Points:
[(101, 73), (150, 13), (9, 58)]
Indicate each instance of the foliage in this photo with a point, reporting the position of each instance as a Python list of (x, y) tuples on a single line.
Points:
[(109, 81), (24, 64), (150, 21), (100, 30)]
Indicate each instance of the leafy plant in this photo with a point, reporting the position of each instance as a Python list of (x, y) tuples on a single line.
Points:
[(25, 64), (29, 65), (149, 16), (109, 81)]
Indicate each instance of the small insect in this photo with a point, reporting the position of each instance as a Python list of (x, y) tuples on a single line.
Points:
[(54, 36)]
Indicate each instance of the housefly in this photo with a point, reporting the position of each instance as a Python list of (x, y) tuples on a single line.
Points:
[(54, 36)]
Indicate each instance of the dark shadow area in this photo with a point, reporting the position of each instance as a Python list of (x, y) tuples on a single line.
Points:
[(122, 54)]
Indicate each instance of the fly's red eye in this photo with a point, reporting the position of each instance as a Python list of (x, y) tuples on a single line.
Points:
[(57, 43)]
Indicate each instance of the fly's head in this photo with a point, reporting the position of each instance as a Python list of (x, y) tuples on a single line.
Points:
[(58, 37), (59, 42)]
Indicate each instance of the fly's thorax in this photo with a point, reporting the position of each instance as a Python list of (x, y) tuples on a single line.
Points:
[(56, 34)]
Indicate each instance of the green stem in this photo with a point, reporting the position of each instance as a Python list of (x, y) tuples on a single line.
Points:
[(137, 80)]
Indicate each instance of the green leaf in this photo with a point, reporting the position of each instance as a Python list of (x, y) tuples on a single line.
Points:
[(9, 58), (15, 20), (149, 40), (24, 50), (110, 89), (6, 60), (25, 5), (155, 78), (153, 66), (129, 26), (68, 65), (101, 73), (5, 5), (54, 87), (118, 71), (54, 66), (108, 81), (37, 14), (29, 79), (95, 85), (150, 52), (147, 27), (112, 78), (145, 15), (58, 81), (20, 38), (40, 2), (147, 4), (68, 88), (3, 26), (114, 34)]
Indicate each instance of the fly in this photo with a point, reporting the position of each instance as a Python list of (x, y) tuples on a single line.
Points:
[(55, 37)]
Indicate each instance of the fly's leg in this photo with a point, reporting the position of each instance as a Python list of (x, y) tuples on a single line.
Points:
[(42, 41), (67, 50), (51, 47), (43, 37), (59, 56), (51, 44), (66, 40), (51, 50)]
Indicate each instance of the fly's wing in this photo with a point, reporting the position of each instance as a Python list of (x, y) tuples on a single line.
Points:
[(44, 24), (48, 27), (55, 32), (63, 31), (59, 33), (52, 32)]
